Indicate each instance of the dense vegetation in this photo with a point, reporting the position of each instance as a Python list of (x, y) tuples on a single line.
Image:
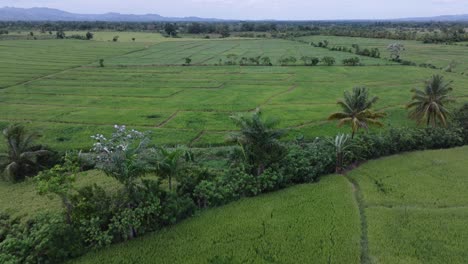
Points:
[(404, 223), (264, 100)]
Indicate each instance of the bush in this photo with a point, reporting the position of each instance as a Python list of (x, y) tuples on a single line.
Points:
[(287, 60), (397, 140), (329, 61), (45, 239), (351, 61), (461, 120), (306, 163)]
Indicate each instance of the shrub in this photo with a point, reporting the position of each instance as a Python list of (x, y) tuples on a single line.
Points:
[(329, 61), (397, 140), (351, 61), (287, 60), (306, 163), (44, 239), (461, 120)]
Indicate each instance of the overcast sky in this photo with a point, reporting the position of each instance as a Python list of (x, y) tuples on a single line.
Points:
[(259, 9)]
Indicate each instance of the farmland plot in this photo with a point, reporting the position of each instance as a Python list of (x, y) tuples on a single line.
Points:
[(439, 55)]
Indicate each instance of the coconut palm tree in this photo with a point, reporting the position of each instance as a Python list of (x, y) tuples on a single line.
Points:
[(259, 140), (429, 104), (357, 110), (21, 158)]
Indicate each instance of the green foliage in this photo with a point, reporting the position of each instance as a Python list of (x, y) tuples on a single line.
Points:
[(45, 239), (429, 105), (59, 181), (395, 50), (341, 144), (89, 35), (287, 60), (125, 156), (60, 34), (351, 61), (357, 110), (289, 226), (310, 61), (329, 61), (461, 120), (170, 162), (307, 162), (22, 158), (397, 140), (259, 140)]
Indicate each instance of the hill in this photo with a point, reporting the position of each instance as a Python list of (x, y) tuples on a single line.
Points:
[(49, 14)]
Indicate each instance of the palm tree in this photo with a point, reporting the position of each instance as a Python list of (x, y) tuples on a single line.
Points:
[(259, 140), (356, 110), (429, 105), (21, 158), (341, 143), (170, 162)]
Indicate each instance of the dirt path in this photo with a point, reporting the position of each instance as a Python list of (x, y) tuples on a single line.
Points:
[(365, 258)]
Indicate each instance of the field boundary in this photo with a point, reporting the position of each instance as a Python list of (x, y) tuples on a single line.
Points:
[(365, 258)]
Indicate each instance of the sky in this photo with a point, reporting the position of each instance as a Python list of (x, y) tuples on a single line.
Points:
[(259, 9)]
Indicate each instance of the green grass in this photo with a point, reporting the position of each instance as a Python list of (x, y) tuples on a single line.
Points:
[(56, 87), (209, 52), (26, 60), (178, 103), (416, 205), (316, 222), (439, 55), (22, 199)]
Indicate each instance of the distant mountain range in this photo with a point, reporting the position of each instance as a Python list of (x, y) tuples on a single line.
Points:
[(49, 14), (447, 18)]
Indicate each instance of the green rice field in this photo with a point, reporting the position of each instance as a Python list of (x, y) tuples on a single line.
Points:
[(437, 54), (57, 87)]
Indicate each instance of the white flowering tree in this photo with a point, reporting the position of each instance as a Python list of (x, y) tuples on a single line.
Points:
[(395, 50), (125, 156)]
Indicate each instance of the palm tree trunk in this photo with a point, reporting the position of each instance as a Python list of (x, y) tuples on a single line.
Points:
[(170, 182)]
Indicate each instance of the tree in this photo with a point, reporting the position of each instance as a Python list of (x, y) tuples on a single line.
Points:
[(188, 61), (101, 62), (133, 39), (125, 156), (329, 61), (170, 29), (341, 143), (170, 162), (266, 61), (223, 30), (461, 119), (59, 180), (357, 111), (259, 140), (89, 36), (429, 105), (351, 61), (115, 38), (310, 61), (395, 50), (60, 34), (22, 156)]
